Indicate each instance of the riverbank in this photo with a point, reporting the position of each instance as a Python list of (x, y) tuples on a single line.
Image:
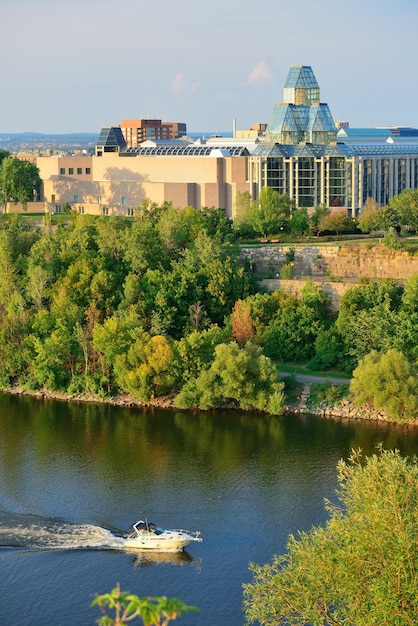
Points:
[(347, 411), (343, 410)]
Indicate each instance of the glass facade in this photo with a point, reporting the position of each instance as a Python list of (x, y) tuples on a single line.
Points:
[(301, 118), (302, 157)]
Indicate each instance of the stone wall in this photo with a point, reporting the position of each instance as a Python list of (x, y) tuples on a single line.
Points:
[(352, 263), (334, 269)]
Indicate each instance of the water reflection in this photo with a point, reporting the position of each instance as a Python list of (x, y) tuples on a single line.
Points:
[(246, 481)]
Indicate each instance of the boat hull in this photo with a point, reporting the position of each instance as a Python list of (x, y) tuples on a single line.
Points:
[(156, 545), (148, 536)]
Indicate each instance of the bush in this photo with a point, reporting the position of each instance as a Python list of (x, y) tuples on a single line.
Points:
[(387, 381)]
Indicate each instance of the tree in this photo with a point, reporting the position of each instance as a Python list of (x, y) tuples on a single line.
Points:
[(157, 611), (387, 381), (360, 568), (145, 369), (369, 219), (242, 323), (299, 222), (387, 216), (410, 295), (406, 206), (320, 212), (336, 222), (19, 180), (270, 213), (243, 376)]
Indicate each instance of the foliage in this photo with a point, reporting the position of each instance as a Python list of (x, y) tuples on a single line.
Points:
[(145, 369), (391, 239), (336, 222), (368, 219), (406, 206), (387, 381), (243, 376), (270, 213), (19, 180), (329, 350), (299, 222), (158, 611), (360, 568), (242, 323), (320, 213), (328, 393)]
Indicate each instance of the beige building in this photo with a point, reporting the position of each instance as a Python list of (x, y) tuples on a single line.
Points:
[(115, 183)]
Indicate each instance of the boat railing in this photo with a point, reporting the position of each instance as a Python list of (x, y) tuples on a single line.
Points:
[(192, 533)]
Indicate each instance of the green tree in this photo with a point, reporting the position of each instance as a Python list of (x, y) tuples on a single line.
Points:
[(387, 381), (387, 217), (360, 568), (158, 611), (391, 239), (299, 222), (19, 181), (195, 352), (369, 219), (242, 376), (410, 295), (406, 206), (320, 212), (270, 213), (145, 370)]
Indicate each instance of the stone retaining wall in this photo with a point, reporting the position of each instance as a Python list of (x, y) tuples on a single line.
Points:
[(334, 269), (352, 262)]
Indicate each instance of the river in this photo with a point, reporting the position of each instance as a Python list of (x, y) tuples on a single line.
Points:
[(75, 476)]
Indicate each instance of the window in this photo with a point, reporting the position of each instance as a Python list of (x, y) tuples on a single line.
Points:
[(71, 170), (53, 198), (62, 170), (130, 212), (105, 210), (99, 199), (87, 170), (123, 200), (79, 170), (76, 198), (81, 209)]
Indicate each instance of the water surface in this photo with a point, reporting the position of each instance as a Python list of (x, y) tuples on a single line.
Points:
[(74, 477)]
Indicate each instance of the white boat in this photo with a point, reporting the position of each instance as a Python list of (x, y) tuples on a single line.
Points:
[(148, 536)]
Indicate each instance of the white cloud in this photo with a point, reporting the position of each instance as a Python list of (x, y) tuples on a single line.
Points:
[(178, 83), (259, 74)]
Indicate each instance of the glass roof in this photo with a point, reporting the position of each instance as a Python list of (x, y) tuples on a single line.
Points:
[(333, 149), (302, 77), (111, 137), (167, 150)]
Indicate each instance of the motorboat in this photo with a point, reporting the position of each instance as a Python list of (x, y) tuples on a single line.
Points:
[(148, 536)]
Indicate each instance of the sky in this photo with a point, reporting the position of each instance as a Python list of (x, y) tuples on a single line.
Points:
[(78, 65)]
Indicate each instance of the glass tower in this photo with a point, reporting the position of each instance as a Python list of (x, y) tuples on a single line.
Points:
[(301, 117)]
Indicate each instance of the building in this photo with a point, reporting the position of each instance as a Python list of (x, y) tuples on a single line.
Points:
[(306, 157), (301, 153), (136, 132)]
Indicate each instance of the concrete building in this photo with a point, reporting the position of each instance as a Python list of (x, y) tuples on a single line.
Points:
[(137, 131), (115, 183), (300, 153)]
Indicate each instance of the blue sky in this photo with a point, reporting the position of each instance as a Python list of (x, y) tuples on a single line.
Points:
[(78, 65)]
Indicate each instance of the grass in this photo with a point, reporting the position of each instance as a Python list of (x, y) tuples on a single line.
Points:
[(298, 368)]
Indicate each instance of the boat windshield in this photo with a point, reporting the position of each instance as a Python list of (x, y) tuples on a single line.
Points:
[(147, 526)]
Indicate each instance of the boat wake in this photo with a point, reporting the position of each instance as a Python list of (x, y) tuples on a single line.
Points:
[(39, 533)]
